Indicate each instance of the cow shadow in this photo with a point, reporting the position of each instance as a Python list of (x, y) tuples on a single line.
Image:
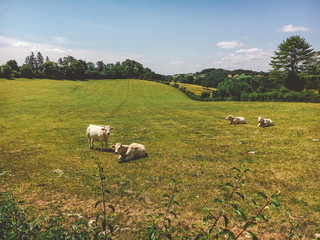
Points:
[(132, 160), (110, 150)]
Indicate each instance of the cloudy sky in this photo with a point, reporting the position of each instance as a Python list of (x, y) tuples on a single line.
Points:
[(168, 36)]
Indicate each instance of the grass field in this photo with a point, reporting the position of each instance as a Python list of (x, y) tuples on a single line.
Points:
[(196, 89), (45, 156)]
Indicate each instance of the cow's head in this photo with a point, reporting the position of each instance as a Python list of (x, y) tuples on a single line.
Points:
[(260, 119), (230, 117), (106, 129), (117, 147)]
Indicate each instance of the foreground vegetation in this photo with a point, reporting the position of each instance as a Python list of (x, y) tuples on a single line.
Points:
[(46, 160)]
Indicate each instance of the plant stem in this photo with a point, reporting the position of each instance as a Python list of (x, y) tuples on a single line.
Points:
[(168, 207), (225, 204), (253, 218), (103, 197)]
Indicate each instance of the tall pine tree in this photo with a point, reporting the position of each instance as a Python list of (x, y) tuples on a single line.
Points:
[(291, 58)]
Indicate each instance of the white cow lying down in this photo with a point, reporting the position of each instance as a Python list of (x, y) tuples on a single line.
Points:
[(98, 133), (130, 152), (236, 120), (263, 122)]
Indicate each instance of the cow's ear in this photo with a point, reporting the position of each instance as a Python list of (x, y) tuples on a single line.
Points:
[(111, 128), (113, 146), (103, 128)]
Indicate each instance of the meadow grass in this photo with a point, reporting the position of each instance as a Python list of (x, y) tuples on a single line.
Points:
[(46, 159), (196, 89)]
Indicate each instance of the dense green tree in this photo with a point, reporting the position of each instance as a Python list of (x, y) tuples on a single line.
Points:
[(5, 71), (91, 66), (131, 69), (100, 66), (39, 61), (13, 64), (51, 70), (214, 77), (291, 57), (234, 87), (26, 71), (312, 73), (60, 62), (31, 61)]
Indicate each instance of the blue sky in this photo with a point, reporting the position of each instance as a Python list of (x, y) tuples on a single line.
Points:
[(167, 36)]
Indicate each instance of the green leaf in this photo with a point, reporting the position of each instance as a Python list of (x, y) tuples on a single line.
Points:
[(229, 184), (173, 213), (166, 195), (255, 203), (206, 218), (226, 221), (240, 213), (276, 195), (239, 194), (284, 221), (248, 224), (275, 202), (225, 189), (217, 200), (227, 232), (234, 206), (97, 216), (253, 236), (261, 194), (111, 207), (97, 204), (237, 169)]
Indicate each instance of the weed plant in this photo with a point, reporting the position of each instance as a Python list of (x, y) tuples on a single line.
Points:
[(15, 224)]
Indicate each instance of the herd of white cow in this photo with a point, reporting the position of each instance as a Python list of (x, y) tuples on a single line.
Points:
[(101, 133)]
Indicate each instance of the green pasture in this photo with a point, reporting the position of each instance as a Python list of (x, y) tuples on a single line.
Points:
[(46, 160)]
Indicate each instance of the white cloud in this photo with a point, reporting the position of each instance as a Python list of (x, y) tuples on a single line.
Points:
[(254, 59), (229, 44), (18, 50), (250, 51), (292, 28), (20, 44)]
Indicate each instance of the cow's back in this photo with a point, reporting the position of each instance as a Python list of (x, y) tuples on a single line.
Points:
[(138, 150), (93, 131)]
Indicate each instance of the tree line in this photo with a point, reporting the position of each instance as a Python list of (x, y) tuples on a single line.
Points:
[(295, 67), (295, 76), (76, 69)]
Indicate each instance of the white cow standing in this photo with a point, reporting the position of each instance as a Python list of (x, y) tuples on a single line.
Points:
[(130, 152), (98, 133)]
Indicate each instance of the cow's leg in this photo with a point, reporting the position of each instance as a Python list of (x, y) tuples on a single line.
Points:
[(106, 141), (90, 142)]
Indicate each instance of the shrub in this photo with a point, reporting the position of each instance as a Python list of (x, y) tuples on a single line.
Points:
[(205, 94)]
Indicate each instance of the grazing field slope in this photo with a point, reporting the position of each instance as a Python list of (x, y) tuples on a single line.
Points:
[(46, 160)]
